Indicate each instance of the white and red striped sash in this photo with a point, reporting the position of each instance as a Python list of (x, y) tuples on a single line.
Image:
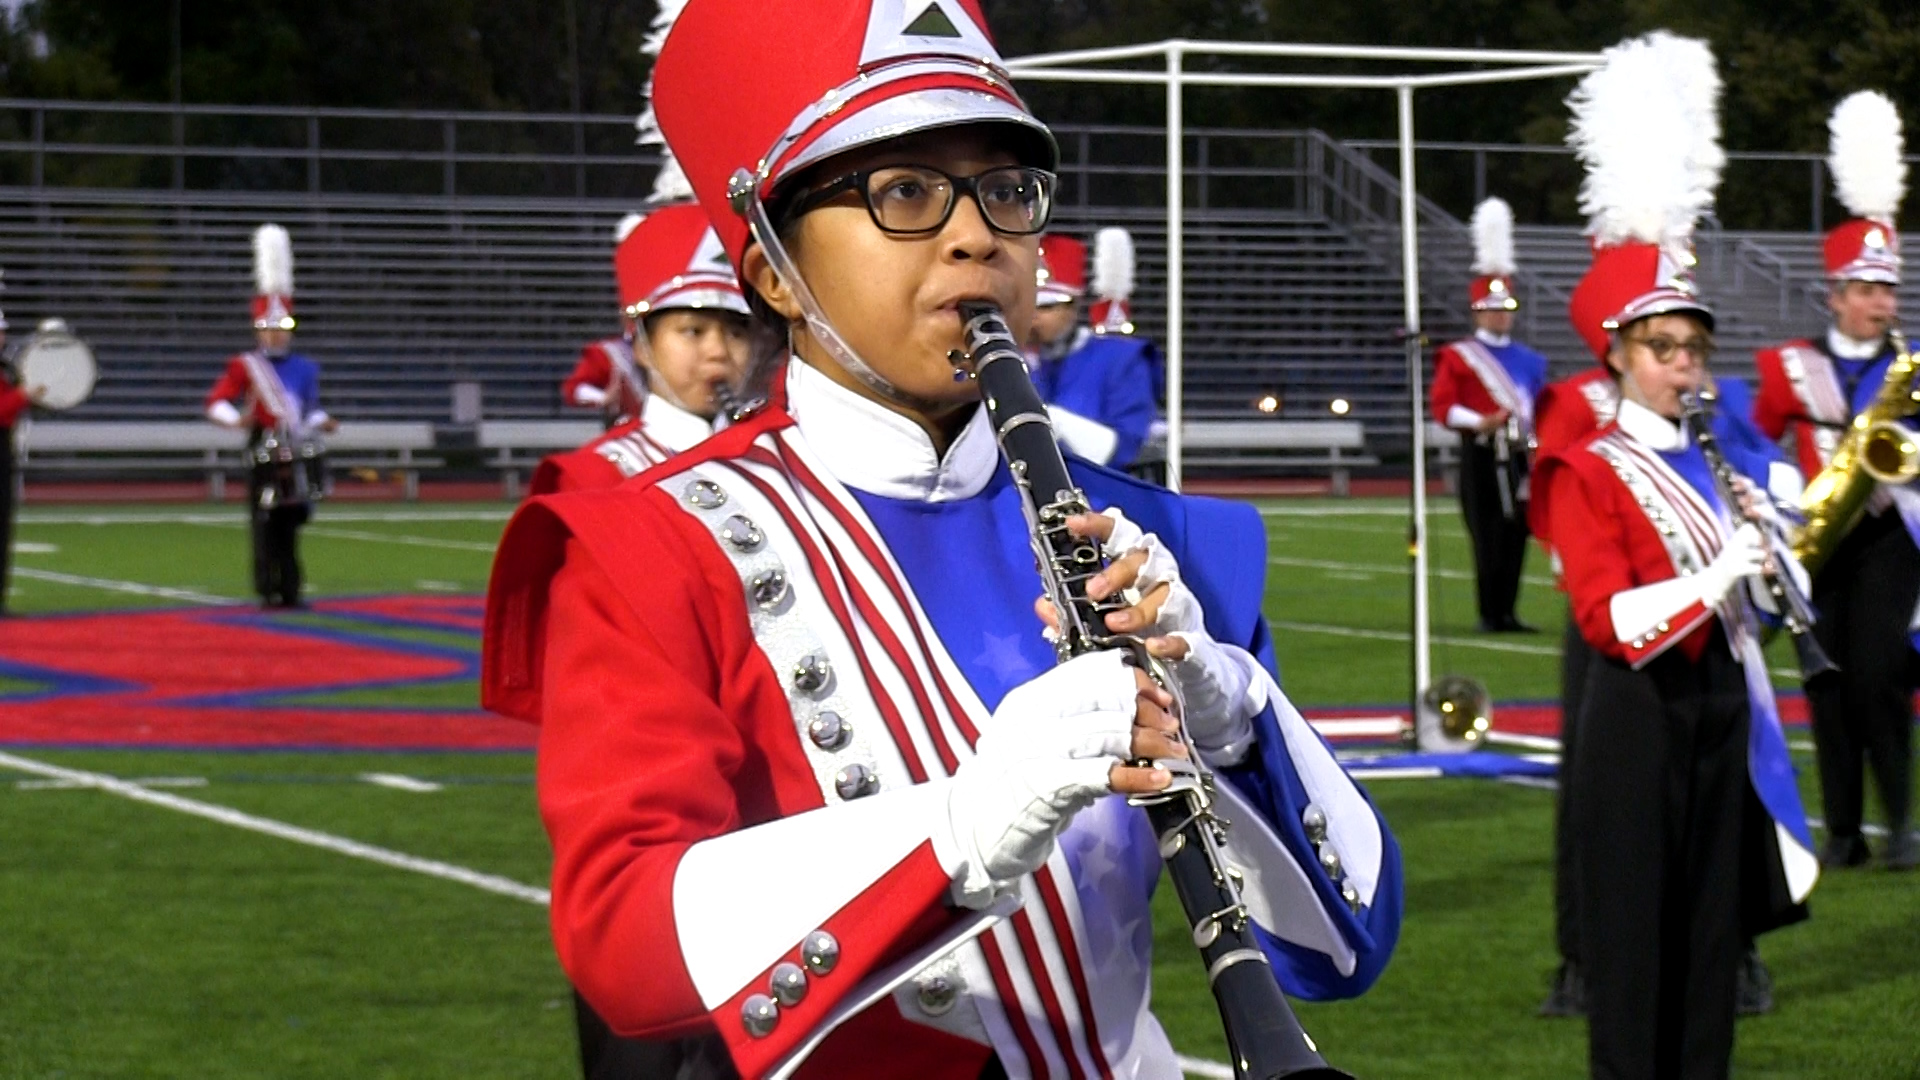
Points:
[(1603, 397), (1817, 387), (632, 453), (1499, 382), (270, 392), (1692, 529), (1041, 1007)]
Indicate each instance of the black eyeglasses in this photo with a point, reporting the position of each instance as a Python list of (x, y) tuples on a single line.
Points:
[(1665, 348), (918, 199)]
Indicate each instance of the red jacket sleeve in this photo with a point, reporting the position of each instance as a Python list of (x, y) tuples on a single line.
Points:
[(13, 402), (1447, 373), (1776, 404), (592, 369), (232, 385), (1594, 524)]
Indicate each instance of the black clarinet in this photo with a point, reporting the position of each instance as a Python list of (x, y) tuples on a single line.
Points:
[(1796, 611), (1263, 1033)]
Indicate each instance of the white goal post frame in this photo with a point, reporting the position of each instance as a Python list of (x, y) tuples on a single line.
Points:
[(1502, 65)]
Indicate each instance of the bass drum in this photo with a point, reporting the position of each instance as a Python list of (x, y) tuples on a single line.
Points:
[(59, 365)]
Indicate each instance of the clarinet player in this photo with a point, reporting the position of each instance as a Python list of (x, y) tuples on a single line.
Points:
[(799, 723), (1682, 767)]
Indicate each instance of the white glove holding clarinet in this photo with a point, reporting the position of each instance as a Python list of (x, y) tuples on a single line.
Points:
[(1218, 683), (1054, 746)]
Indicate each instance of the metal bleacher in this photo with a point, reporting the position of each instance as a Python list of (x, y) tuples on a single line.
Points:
[(425, 259)]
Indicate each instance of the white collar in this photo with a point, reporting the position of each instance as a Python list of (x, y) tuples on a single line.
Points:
[(672, 426), (1498, 341), (1847, 348), (1649, 427), (867, 446)]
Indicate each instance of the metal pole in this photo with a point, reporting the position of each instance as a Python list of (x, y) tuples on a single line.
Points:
[(1417, 525), (1176, 268)]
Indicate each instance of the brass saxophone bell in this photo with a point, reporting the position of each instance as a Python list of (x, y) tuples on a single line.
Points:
[(1891, 453)]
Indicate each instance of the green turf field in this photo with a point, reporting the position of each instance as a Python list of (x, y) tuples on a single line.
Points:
[(137, 941)]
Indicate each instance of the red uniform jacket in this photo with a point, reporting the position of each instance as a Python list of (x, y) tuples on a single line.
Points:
[(1777, 409), (1565, 413), (13, 402), (1607, 546), (595, 369), (1454, 383), (623, 452), (234, 384), (616, 623)]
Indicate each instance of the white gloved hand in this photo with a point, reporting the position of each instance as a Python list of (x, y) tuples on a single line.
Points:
[(1213, 678), (1044, 756), (1182, 609), (1216, 687), (1743, 556)]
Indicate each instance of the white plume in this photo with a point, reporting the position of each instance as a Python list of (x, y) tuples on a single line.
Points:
[(670, 183), (272, 261), (1113, 264), (1646, 126), (625, 228), (1865, 153), (1493, 238)]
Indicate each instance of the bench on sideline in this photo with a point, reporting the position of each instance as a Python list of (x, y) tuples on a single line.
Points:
[(516, 446), (115, 446), (1335, 446)]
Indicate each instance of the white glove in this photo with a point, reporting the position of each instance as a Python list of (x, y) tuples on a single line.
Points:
[(1216, 686), (1044, 756), (1743, 556), (1182, 609), (1213, 679)]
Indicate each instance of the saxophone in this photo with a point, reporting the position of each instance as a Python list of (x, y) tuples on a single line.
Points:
[(1877, 449)]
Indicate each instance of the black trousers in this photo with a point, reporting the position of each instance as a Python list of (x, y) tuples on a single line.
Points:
[(1865, 595), (1575, 657), (1660, 794), (276, 553), (1499, 541)]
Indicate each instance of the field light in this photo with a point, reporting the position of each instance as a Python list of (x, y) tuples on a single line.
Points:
[(1340, 406), (1269, 403)]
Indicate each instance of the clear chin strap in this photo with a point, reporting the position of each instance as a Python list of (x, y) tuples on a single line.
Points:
[(822, 330)]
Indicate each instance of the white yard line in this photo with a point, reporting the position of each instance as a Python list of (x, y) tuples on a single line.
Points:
[(192, 596), (143, 781), (1402, 635), (281, 830), (401, 538), (1397, 569), (398, 782)]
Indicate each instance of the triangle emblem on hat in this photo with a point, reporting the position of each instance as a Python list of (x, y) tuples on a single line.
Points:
[(898, 28), (933, 22), (711, 253)]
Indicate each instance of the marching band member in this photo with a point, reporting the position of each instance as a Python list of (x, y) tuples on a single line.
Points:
[(274, 393), (604, 378), (14, 402), (1680, 747), (1483, 387), (689, 339), (1867, 590), (1097, 380), (820, 798), (1566, 412)]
